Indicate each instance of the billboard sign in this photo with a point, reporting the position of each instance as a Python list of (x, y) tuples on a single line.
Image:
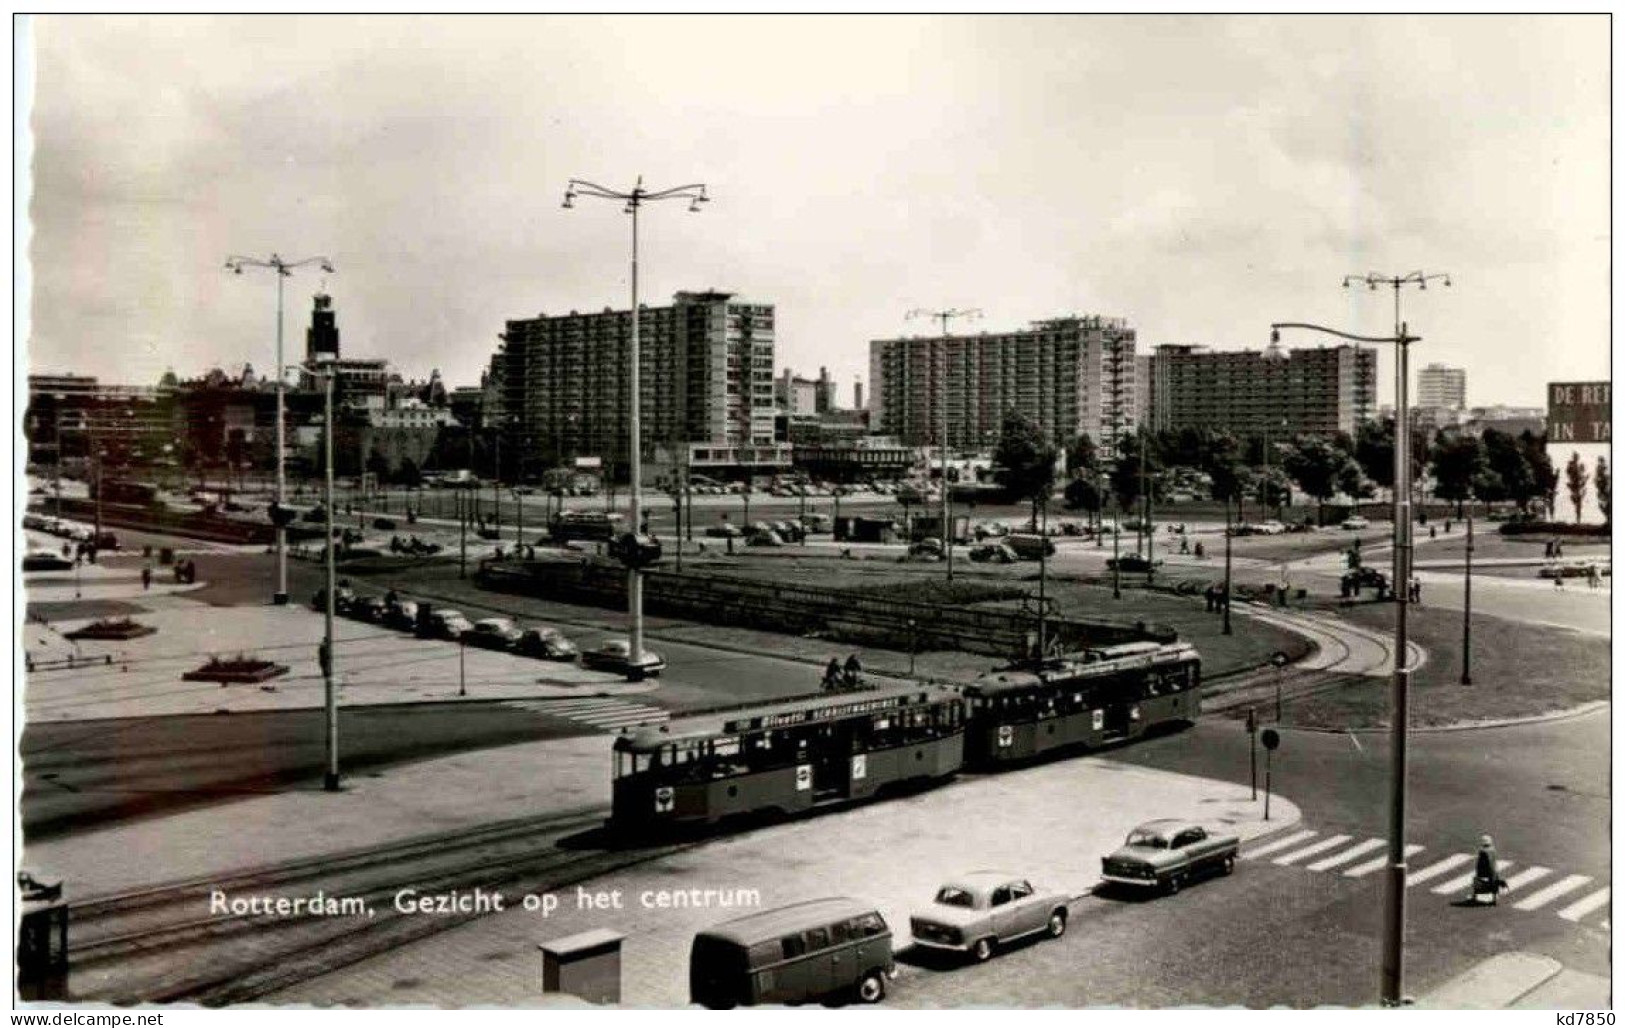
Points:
[(1579, 412)]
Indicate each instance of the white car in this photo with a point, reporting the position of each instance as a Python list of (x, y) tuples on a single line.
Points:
[(1270, 528), (1356, 522)]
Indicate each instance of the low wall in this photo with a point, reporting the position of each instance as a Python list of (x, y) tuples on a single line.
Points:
[(846, 614)]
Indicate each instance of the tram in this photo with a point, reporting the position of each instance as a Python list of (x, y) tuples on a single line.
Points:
[(789, 758), (1096, 698)]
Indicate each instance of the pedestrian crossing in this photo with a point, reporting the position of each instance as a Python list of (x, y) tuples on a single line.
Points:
[(605, 712), (1532, 887)]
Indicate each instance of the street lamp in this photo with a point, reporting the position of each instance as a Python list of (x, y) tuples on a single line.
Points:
[(969, 313), (283, 269), (694, 193), (1393, 938), (330, 778)]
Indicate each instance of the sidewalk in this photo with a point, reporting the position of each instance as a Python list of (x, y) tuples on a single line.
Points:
[(1520, 981), (892, 853)]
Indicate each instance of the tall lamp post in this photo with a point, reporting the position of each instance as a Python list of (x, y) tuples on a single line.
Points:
[(283, 269), (944, 316), (1467, 606), (330, 776), (634, 199), (1393, 936)]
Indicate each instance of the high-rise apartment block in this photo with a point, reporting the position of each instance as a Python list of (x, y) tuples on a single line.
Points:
[(1439, 385), (1071, 375), (1322, 390), (705, 371)]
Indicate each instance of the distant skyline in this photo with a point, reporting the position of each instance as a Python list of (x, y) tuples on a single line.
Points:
[(1200, 176)]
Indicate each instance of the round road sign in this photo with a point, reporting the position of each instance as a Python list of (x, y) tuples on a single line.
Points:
[(1270, 738)]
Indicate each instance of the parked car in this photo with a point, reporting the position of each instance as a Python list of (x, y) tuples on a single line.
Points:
[(384, 524), (342, 598), (546, 644), (817, 522), (764, 537), (1166, 853), (106, 541), (403, 615), (616, 655), (448, 624), (926, 549), (493, 634), (793, 954), (789, 531), (46, 560), (993, 553), (366, 608), (723, 532), (1132, 562), (1355, 523), (1270, 528), (990, 530), (1368, 578), (978, 912)]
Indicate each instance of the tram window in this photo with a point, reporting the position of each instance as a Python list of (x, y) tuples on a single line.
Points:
[(725, 747), (642, 762)]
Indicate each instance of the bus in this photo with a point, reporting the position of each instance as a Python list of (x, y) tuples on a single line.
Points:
[(787, 759), (1096, 698)]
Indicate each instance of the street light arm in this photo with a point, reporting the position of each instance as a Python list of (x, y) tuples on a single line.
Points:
[(1275, 333), (692, 191), (237, 264), (581, 185)]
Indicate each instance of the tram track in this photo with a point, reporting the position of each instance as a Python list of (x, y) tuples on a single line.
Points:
[(163, 944)]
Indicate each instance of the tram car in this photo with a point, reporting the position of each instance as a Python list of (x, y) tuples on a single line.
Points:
[(1095, 698), (788, 759)]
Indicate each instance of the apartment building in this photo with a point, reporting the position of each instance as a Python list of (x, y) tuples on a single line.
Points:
[(706, 378), (1439, 385), (1320, 390), (1071, 375)]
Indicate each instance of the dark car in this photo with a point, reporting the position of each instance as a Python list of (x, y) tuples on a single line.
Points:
[(366, 608), (789, 531), (546, 644), (926, 549), (106, 541), (493, 634), (403, 614), (343, 596), (993, 553), (723, 532), (384, 524), (1367, 578), (616, 655), (1132, 562), (45, 560)]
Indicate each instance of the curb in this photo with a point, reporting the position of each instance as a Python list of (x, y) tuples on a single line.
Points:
[(1473, 726)]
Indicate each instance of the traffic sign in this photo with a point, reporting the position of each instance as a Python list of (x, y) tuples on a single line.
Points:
[(1270, 738)]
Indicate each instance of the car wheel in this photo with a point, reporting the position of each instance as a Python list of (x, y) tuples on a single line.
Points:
[(982, 951), (1057, 924), (872, 987), (1228, 865), (1171, 886)]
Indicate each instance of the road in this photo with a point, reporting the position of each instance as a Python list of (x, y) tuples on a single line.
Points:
[(1296, 935)]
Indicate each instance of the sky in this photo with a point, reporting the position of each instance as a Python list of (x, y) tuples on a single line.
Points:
[(1201, 176)]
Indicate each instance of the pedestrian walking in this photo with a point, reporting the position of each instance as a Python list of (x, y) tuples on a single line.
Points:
[(853, 670), (1487, 873), (1593, 579), (1557, 549), (1416, 590), (1433, 533), (1201, 551), (832, 674), (146, 577), (1557, 578), (1184, 545)]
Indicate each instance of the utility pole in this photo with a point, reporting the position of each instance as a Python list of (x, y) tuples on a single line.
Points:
[(944, 316), (1393, 928), (330, 780), (634, 200), (283, 269), (1228, 532), (1467, 606)]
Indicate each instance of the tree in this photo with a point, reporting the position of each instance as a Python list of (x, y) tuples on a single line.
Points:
[(1351, 481), (1540, 466), (1083, 457), (1317, 465), (1374, 451), (1510, 462), (1083, 494), (1024, 460), (409, 475), (1605, 490), (378, 465), (1576, 476), (1456, 465), (1126, 473)]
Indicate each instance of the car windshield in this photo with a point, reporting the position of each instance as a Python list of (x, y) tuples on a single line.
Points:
[(1148, 839), (954, 896)]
